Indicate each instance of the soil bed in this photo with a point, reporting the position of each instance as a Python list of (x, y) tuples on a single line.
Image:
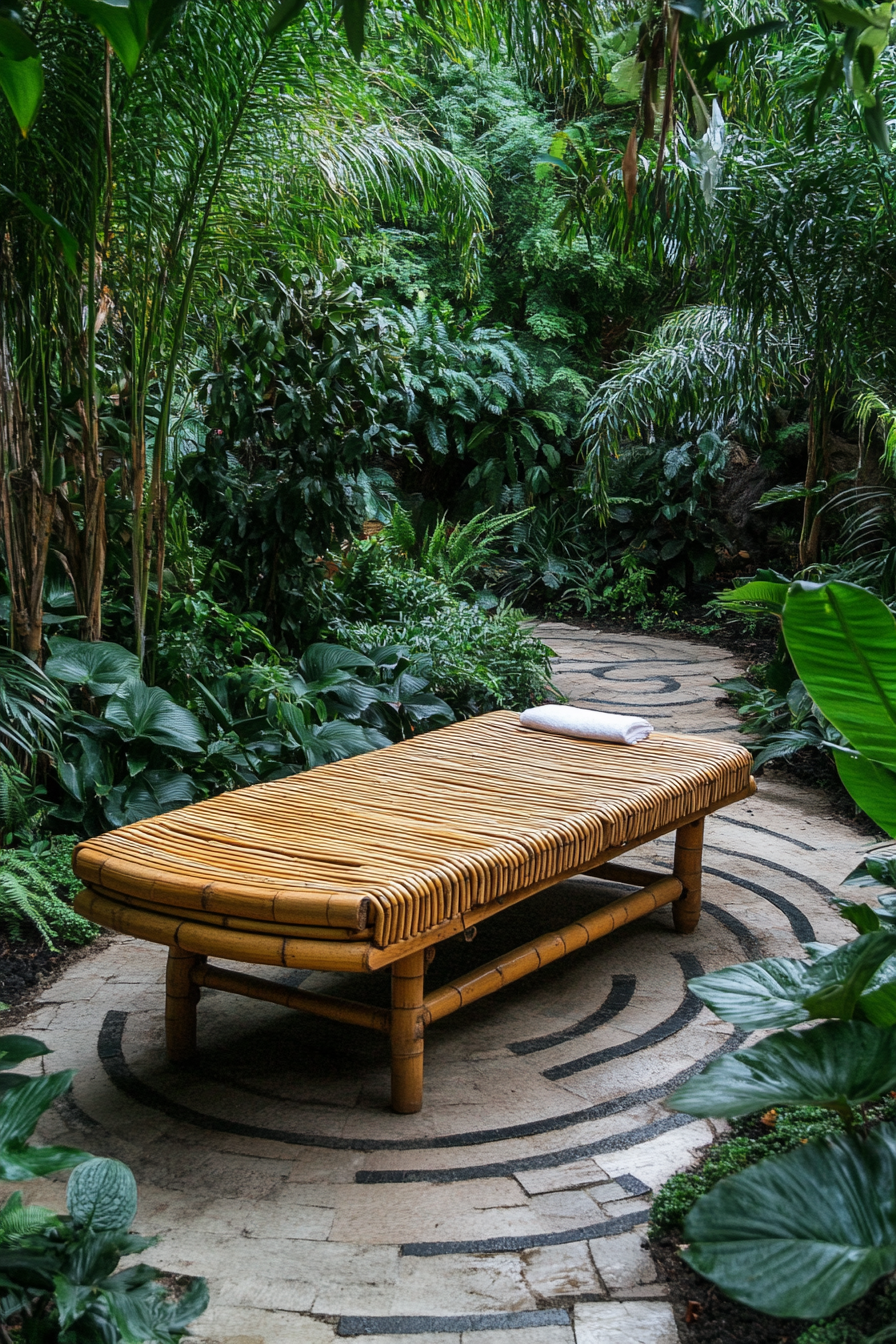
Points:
[(27, 967)]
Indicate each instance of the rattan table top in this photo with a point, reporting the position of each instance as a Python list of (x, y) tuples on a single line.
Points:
[(398, 840)]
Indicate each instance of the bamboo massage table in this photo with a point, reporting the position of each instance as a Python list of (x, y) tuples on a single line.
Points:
[(372, 861)]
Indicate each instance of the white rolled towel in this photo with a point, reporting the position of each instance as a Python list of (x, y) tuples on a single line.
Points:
[(587, 723)]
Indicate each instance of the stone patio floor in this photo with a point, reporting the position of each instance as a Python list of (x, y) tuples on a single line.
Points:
[(517, 1200)]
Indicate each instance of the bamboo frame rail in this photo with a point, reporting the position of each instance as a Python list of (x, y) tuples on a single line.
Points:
[(547, 948), (321, 1005), (371, 862)]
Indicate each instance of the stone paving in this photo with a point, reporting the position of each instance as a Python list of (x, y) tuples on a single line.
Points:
[(517, 1200)]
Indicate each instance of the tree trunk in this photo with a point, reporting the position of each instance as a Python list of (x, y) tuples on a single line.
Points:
[(817, 456), (26, 511)]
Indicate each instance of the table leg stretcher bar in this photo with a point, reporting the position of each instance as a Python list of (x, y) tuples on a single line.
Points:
[(213, 915)]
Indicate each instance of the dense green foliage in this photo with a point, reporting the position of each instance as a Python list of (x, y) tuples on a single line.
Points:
[(753, 1222)]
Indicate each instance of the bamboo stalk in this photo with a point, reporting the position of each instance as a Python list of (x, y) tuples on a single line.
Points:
[(548, 947), (321, 1005)]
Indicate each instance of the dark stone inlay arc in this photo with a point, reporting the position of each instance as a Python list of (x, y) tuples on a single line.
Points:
[(615, 1142), (807, 881), (619, 997), (778, 835), (686, 1011), (612, 1143), (433, 1325), (799, 923), (117, 1069), (642, 704), (669, 684), (801, 926), (609, 1228)]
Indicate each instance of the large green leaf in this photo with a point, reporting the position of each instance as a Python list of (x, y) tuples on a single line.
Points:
[(150, 794), (757, 596), (23, 84), (15, 1049), (101, 668), (146, 712), (24, 1164), (319, 659), (782, 991), (803, 1234), (836, 1064), (871, 786), (22, 1107), (842, 641), (126, 25)]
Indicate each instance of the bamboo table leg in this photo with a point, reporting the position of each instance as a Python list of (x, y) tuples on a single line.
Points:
[(688, 868), (181, 998), (407, 1034)]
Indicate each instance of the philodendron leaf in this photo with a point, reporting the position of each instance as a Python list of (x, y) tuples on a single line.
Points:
[(803, 1234), (836, 1064), (101, 668), (864, 917), (842, 640), (782, 991), (875, 870)]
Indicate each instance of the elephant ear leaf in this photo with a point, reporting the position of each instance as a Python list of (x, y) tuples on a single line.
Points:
[(836, 1064), (782, 991), (768, 1240)]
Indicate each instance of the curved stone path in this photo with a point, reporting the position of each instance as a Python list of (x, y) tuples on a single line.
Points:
[(517, 1199)]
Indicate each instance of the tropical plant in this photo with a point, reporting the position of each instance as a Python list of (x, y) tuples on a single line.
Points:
[(779, 724), (145, 165), (842, 642), (762, 1234), (30, 705), (57, 1273)]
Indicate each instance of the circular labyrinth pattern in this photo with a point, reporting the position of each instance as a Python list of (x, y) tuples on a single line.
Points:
[(517, 1199)]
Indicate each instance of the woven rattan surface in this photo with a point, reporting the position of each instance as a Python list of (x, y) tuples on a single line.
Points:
[(401, 839)]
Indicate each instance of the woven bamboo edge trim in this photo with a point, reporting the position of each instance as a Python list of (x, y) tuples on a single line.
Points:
[(206, 940)]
